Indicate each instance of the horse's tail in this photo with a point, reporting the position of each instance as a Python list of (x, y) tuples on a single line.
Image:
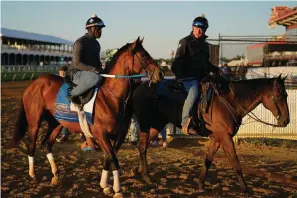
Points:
[(21, 126)]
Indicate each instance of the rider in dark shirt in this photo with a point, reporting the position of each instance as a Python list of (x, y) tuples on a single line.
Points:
[(86, 65), (191, 64)]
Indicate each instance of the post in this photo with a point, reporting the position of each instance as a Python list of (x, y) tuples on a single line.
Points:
[(14, 77), (32, 76), (24, 76), (221, 49)]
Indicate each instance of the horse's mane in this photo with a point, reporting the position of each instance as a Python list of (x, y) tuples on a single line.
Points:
[(259, 85), (115, 57)]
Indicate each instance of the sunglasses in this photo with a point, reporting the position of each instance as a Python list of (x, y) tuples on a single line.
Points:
[(200, 25)]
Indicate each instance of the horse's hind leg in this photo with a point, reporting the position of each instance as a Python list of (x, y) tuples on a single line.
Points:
[(211, 151), (50, 157), (33, 127), (229, 148), (31, 149)]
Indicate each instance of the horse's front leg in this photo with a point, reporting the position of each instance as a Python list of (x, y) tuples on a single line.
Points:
[(229, 148), (213, 146), (116, 144), (142, 149), (110, 159)]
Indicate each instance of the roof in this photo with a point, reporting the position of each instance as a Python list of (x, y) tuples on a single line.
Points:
[(33, 36), (283, 15)]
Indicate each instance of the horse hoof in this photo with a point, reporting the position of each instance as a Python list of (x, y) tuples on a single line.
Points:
[(118, 195), (107, 190), (55, 180)]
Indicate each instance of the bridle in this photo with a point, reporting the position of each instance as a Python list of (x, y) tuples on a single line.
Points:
[(274, 100), (143, 67), (254, 117)]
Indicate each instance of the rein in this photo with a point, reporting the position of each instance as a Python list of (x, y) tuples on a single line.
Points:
[(254, 117)]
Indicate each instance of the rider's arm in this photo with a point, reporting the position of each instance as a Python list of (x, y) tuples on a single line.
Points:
[(77, 56), (211, 67), (177, 65)]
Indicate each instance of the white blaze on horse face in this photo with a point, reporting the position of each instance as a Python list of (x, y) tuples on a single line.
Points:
[(104, 179), (31, 166), (116, 181), (51, 160)]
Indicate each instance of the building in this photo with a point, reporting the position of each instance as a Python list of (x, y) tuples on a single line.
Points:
[(24, 48), (280, 50)]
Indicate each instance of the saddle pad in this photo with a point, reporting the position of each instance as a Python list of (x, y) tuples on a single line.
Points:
[(64, 110)]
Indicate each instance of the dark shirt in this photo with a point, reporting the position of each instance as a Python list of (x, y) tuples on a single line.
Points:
[(192, 58), (86, 55)]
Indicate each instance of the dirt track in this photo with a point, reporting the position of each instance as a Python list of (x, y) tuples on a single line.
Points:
[(268, 171)]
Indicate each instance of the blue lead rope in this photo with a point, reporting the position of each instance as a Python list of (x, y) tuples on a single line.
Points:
[(120, 76)]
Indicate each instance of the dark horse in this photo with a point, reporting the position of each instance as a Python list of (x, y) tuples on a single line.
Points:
[(110, 126), (223, 118)]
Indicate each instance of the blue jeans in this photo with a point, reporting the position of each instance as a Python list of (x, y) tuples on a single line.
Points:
[(84, 80), (192, 88)]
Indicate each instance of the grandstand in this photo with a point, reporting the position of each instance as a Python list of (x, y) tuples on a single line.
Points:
[(280, 50), (32, 49)]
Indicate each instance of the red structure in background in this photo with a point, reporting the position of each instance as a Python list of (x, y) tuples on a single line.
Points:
[(283, 15), (280, 50)]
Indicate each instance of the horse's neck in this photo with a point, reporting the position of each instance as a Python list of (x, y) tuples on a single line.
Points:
[(118, 87), (249, 98)]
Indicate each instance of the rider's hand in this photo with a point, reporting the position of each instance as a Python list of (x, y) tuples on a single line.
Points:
[(96, 71)]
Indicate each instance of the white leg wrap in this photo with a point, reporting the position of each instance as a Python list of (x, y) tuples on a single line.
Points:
[(84, 123), (116, 181), (104, 179), (51, 160), (31, 166)]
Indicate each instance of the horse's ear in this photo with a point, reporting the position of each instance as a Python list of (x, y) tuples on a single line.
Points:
[(284, 78), (141, 41), (277, 80), (134, 45)]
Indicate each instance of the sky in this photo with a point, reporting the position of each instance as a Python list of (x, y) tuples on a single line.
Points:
[(162, 24)]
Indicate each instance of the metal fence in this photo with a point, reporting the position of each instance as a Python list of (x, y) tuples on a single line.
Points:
[(21, 72), (257, 50)]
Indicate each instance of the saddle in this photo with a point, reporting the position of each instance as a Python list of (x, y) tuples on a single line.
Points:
[(81, 100)]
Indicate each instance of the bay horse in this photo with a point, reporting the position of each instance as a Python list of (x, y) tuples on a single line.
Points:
[(223, 119), (109, 126)]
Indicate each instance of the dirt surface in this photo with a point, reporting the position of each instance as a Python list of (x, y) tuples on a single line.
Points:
[(268, 171)]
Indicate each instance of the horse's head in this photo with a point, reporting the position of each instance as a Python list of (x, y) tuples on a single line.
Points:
[(142, 62), (275, 100)]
